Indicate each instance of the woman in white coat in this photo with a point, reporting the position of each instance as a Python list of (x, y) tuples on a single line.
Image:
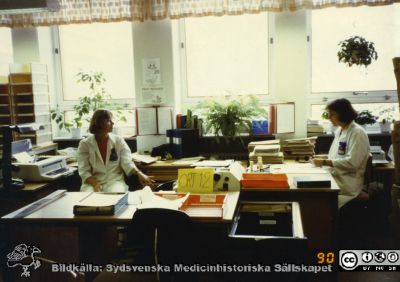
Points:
[(348, 154), (104, 158)]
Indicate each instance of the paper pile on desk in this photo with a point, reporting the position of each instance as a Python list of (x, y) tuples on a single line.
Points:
[(270, 153), (299, 148), (147, 200)]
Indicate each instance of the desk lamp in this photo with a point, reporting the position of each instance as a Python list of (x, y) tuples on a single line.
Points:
[(8, 182)]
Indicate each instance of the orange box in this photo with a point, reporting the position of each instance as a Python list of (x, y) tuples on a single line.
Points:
[(264, 180)]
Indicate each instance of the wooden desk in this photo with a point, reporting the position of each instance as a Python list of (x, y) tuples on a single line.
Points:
[(82, 239), (162, 170), (11, 200), (318, 206), (384, 174)]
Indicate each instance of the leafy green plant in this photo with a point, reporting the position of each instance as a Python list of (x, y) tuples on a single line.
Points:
[(96, 98), (387, 114), (365, 117), (230, 116), (325, 115), (357, 51), (58, 116)]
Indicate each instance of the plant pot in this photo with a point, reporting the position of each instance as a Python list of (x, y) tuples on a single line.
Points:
[(385, 127), (76, 133)]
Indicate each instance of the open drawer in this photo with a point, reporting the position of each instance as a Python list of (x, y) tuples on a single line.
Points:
[(267, 220)]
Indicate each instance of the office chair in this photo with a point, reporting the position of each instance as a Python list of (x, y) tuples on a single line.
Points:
[(355, 215), (158, 236)]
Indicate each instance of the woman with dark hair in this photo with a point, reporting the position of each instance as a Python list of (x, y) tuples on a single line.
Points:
[(103, 158), (349, 151)]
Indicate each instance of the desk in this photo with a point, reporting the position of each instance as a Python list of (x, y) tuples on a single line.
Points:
[(319, 227), (15, 199), (318, 206), (83, 239), (384, 174), (162, 170)]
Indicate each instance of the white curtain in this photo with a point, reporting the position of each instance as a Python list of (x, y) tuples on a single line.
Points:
[(87, 11)]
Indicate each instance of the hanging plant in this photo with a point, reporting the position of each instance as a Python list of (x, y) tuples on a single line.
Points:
[(357, 51)]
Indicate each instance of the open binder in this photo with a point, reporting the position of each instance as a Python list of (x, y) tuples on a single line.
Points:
[(153, 120), (101, 204)]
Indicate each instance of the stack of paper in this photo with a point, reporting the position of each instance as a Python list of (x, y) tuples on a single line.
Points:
[(251, 145), (314, 128), (270, 153), (149, 200), (299, 148)]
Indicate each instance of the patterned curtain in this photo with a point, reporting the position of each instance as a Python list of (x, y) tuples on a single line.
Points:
[(87, 11)]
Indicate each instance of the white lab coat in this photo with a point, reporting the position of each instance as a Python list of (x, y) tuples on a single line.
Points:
[(111, 174), (349, 161)]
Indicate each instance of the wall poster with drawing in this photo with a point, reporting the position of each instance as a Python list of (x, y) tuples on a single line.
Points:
[(152, 89)]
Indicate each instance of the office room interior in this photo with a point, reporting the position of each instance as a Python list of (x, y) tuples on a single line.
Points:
[(280, 58)]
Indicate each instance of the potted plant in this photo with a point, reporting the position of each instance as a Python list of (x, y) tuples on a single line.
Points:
[(231, 116), (58, 117), (330, 128), (97, 98), (365, 117), (357, 51), (386, 119)]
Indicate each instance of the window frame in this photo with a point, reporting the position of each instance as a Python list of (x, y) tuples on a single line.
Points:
[(180, 52), (318, 98), (65, 105)]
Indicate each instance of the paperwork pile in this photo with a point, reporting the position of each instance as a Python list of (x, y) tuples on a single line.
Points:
[(314, 128), (269, 151), (299, 148)]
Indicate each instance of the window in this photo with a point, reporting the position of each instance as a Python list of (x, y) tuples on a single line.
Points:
[(380, 25), (106, 48), (103, 47), (225, 55), (388, 111), (6, 53)]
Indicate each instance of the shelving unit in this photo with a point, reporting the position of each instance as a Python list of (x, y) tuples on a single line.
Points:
[(5, 109), (29, 92)]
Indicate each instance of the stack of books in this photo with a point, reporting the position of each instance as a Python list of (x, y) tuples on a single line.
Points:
[(302, 148), (269, 151), (314, 128)]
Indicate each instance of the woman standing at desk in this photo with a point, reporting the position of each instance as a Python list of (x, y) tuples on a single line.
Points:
[(349, 151), (103, 158)]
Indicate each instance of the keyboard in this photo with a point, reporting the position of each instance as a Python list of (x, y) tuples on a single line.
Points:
[(57, 171)]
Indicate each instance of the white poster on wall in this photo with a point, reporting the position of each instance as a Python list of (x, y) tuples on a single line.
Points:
[(151, 71), (153, 95)]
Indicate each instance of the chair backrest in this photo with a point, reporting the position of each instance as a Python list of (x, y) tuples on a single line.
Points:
[(165, 235), (368, 172)]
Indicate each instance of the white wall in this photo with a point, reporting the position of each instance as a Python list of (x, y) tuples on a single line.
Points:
[(153, 39), (289, 69)]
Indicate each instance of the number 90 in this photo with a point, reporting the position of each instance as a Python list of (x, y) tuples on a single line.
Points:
[(325, 258)]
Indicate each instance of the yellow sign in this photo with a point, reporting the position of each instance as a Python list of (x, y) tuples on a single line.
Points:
[(197, 180)]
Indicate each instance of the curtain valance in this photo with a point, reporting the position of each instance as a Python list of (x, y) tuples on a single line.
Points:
[(87, 11)]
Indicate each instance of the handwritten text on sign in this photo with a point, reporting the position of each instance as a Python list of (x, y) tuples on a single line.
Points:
[(198, 180)]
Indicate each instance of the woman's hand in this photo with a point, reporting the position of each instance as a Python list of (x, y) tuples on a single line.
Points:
[(97, 188), (322, 162), (146, 180)]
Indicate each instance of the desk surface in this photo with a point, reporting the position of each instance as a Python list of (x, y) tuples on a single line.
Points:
[(61, 211)]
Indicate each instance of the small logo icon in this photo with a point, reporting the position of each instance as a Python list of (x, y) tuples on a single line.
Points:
[(348, 260), (367, 257), (24, 256), (380, 257), (393, 257)]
